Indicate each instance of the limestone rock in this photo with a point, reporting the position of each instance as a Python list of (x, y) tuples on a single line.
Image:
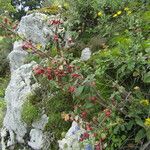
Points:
[(71, 140), (33, 27), (86, 54)]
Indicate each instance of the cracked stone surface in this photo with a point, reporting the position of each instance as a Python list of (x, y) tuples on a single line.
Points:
[(34, 28)]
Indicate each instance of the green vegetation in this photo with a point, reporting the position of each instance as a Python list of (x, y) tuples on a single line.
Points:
[(2, 111), (29, 113), (110, 92)]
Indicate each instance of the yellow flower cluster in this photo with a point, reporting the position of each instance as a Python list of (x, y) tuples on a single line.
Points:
[(99, 14), (127, 10), (120, 12), (144, 102), (117, 14), (147, 122)]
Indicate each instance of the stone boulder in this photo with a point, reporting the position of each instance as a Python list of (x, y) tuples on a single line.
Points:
[(33, 27)]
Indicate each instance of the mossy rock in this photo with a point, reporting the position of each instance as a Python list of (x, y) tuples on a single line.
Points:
[(30, 113), (2, 111)]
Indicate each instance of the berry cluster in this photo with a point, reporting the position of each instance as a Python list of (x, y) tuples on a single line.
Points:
[(58, 73)]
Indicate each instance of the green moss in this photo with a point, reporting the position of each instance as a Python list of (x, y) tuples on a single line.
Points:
[(2, 110), (29, 113), (3, 84)]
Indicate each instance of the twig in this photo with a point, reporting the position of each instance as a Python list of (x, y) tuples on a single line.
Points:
[(145, 145)]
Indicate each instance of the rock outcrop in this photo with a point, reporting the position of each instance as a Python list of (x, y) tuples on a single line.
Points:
[(33, 27)]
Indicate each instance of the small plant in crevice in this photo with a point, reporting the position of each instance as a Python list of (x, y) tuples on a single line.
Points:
[(30, 113)]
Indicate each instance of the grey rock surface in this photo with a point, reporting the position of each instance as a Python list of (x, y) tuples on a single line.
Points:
[(86, 54), (71, 139), (33, 27)]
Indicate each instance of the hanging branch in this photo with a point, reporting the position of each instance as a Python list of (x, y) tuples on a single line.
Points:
[(35, 49)]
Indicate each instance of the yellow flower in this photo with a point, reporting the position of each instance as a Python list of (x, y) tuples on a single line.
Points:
[(115, 15), (119, 12), (38, 46), (99, 14), (144, 102), (147, 122), (126, 8), (129, 12)]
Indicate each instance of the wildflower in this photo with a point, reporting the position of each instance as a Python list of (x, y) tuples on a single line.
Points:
[(99, 14), (65, 116), (115, 15), (136, 88), (144, 102), (129, 12), (38, 46), (71, 89), (119, 12), (147, 122), (126, 9)]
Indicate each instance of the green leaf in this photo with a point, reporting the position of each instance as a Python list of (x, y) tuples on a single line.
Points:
[(53, 51), (130, 125), (123, 137), (89, 105), (139, 122), (146, 77), (140, 135), (79, 90), (148, 133)]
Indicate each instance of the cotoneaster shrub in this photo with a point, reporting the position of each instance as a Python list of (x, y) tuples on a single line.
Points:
[(108, 95)]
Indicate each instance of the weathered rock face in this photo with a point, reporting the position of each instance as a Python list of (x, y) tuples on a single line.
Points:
[(86, 54), (71, 140), (33, 27)]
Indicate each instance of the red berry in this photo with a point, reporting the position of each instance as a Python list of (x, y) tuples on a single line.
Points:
[(84, 114), (97, 147), (55, 37), (71, 89), (86, 135), (107, 113), (38, 71), (81, 139), (93, 99), (75, 75), (88, 127)]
